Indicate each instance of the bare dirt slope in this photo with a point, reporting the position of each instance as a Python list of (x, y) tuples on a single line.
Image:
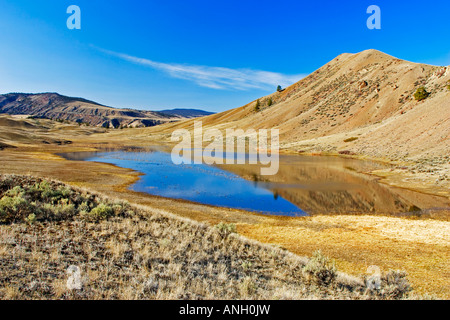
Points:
[(368, 95)]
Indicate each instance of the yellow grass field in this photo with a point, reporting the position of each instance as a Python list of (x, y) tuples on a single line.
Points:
[(418, 246)]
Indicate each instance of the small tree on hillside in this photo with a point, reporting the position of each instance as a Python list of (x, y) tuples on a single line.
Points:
[(421, 94), (279, 88), (257, 105)]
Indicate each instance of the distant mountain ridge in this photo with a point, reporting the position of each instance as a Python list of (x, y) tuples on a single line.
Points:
[(187, 113), (58, 107)]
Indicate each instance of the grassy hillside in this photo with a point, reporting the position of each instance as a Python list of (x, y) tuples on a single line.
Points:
[(129, 252), (19, 131)]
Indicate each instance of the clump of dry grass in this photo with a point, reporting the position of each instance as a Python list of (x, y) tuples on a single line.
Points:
[(225, 229), (320, 270), (395, 285), (151, 254)]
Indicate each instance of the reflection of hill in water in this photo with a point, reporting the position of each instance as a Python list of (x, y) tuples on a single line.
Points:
[(333, 185)]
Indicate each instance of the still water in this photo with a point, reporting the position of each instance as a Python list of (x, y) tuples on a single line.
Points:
[(303, 185)]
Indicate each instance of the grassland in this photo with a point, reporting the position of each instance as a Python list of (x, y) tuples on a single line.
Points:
[(358, 105), (419, 246), (133, 252)]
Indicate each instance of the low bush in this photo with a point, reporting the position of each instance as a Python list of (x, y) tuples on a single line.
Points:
[(257, 105), (25, 199), (421, 94), (161, 256), (14, 208), (320, 270), (31, 218), (101, 212), (226, 229), (351, 139), (393, 285)]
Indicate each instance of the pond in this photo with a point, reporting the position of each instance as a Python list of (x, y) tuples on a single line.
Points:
[(303, 185)]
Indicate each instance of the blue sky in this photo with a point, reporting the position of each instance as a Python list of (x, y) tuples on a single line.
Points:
[(214, 55)]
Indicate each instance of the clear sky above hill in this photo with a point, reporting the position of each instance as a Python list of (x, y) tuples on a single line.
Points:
[(213, 55)]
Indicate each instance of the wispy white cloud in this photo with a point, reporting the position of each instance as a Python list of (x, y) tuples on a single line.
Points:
[(216, 77)]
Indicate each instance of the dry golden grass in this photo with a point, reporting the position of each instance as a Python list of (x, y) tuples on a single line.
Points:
[(389, 126), (356, 242), (420, 247), (417, 246), (151, 254)]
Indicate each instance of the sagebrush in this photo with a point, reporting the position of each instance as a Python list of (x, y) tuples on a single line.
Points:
[(126, 251)]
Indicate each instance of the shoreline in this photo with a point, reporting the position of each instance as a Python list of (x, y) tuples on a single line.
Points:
[(354, 241), (382, 175), (389, 177)]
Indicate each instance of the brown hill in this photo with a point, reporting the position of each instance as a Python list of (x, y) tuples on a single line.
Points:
[(17, 131), (357, 103), (58, 107)]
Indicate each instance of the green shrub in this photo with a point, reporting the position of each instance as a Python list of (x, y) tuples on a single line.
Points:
[(17, 191), (320, 270), (59, 211), (421, 94), (225, 229), (63, 211), (121, 208), (448, 87), (246, 265), (257, 105), (14, 209), (279, 89), (26, 199), (47, 193), (351, 139), (84, 207), (270, 102), (31, 218), (101, 212)]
